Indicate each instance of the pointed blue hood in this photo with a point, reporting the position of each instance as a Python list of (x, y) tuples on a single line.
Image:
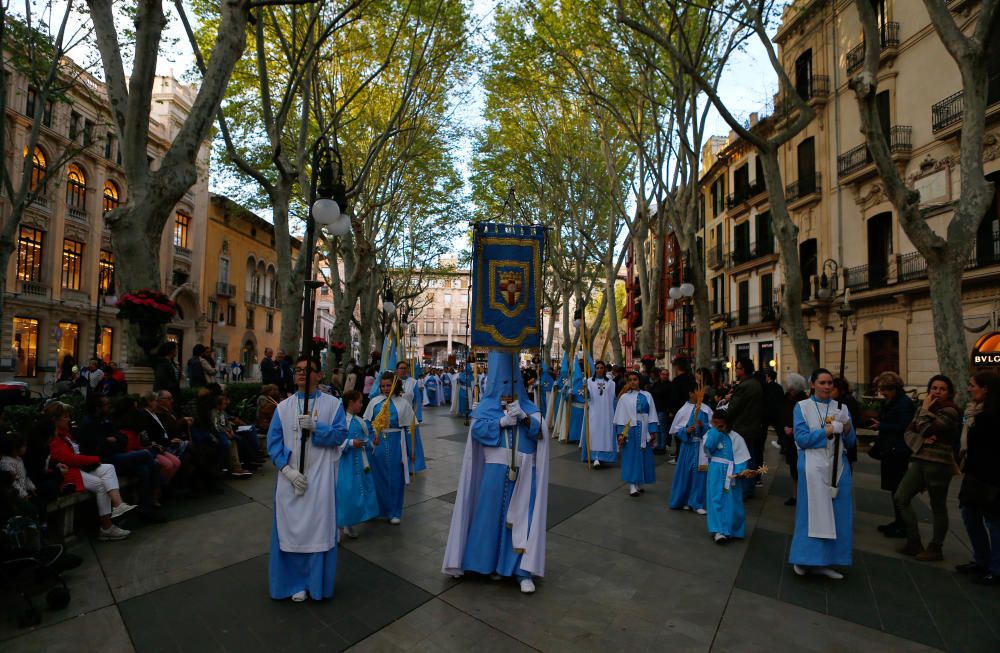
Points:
[(504, 379)]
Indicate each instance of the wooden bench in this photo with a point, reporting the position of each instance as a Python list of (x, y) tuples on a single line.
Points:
[(62, 510)]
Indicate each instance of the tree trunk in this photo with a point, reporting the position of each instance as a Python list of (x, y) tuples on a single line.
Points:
[(614, 335), (949, 327), (702, 312), (787, 234)]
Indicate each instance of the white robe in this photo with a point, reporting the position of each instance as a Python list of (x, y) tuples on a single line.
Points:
[(308, 523), (819, 468), (455, 388), (600, 415)]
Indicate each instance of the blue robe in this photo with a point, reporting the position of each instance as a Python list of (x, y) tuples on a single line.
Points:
[(689, 484), (489, 549), (465, 382), (637, 461), (387, 467), (812, 551), (575, 417), (725, 506), (545, 389), (356, 499), (446, 387), (414, 444), (431, 388), (288, 572)]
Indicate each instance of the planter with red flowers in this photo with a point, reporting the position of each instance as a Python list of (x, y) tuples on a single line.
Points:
[(338, 348), (148, 310)]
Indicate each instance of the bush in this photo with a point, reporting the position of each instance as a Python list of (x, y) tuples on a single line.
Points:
[(19, 418), (240, 392)]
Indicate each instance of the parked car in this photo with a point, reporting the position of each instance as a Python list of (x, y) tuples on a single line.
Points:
[(14, 393)]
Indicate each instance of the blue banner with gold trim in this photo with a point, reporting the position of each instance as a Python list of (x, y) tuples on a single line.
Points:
[(507, 285)]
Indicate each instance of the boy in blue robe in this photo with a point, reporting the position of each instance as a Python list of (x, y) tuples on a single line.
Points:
[(389, 461), (635, 411), (691, 475), (728, 457), (356, 498)]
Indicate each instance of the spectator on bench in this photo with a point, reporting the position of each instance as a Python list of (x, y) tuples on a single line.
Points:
[(87, 473)]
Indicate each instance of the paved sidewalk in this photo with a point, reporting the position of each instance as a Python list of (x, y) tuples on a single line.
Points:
[(622, 574)]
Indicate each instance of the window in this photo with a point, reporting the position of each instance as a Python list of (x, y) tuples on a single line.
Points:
[(29, 254), (231, 316), (429, 327), (223, 270), (74, 125), (38, 169), (807, 167), (744, 303), (249, 318), (808, 264), (26, 346), (112, 198), (106, 272), (742, 351), (76, 188), (741, 243), (68, 341), (767, 291), (104, 344), (718, 196), (29, 107), (741, 182), (47, 115), (447, 299), (803, 75), (88, 132), (109, 142), (269, 325), (765, 354), (182, 225), (463, 300), (456, 283), (72, 264), (765, 234)]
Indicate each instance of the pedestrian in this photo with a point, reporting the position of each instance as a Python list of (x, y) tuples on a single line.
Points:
[(890, 446), (303, 558), (932, 437), (390, 422), (498, 522), (195, 371), (413, 394), (597, 444), (979, 496), (728, 456), (746, 410), (680, 388), (577, 399), (661, 397), (356, 498), (166, 371), (268, 368), (636, 426), (824, 519), (796, 389), (690, 426)]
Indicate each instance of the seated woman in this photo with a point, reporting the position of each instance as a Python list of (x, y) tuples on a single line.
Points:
[(267, 402), (87, 473), (212, 420)]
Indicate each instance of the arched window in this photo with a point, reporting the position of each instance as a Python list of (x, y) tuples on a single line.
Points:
[(38, 168), (76, 188), (112, 198)]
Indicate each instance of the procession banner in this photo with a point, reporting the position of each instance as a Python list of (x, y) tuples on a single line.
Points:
[(507, 286)]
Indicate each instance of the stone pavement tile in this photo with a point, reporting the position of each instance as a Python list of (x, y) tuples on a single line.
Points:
[(88, 592), (413, 550), (953, 610), (456, 437), (436, 626), (259, 487), (564, 502), (176, 509), (229, 610), (183, 549), (766, 553), (646, 528), (573, 473), (101, 630), (597, 600), (753, 623)]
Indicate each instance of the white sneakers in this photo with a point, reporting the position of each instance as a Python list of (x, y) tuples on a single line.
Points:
[(121, 509), (719, 538), (597, 464), (299, 596), (349, 532), (819, 571), (701, 511), (395, 521), (527, 586), (633, 490), (112, 534)]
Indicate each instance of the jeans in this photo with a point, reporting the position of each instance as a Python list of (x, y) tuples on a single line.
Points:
[(984, 535), (934, 478), (141, 464), (662, 431)]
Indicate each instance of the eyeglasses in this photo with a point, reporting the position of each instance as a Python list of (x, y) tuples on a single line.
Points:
[(300, 370)]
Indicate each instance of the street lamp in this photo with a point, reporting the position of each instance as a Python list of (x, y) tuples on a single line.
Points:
[(845, 311), (327, 208), (683, 291), (828, 285)]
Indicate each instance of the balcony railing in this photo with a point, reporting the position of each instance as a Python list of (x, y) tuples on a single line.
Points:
[(225, 289), (948, 111), (715, 257), (912, 266), (753, 315), (815, 87), (803, 187), (38, 200), (77, 215), (742, 255), (34, 288), (866, 277), (182, 252), (988, 254), (889, 37), (252, 297), (900, 141)]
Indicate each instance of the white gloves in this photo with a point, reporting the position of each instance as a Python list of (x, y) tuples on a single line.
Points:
[(838, 427), (307, 422), (508, 420), (514, 409), (296, 478)]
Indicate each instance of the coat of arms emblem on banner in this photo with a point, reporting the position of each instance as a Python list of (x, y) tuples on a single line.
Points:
[(511, 282)]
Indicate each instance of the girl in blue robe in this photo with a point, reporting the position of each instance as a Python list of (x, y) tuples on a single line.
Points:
[(356, 498), (431, 388), (635, 409), (728, 456), (823, 533), (688, 491), (446, 387), (389, 462)]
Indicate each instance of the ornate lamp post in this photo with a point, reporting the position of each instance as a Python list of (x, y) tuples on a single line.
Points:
[(845, 311), (683, 293)]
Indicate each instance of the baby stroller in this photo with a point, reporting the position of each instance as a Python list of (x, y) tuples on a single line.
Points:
[(29, 567)]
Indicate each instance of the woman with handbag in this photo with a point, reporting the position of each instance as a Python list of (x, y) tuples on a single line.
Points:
[(979, 496), (893, 454)]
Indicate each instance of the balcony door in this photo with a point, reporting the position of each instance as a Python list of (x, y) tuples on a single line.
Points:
[(807, 265), (765, 234), (884, 117), (807, 166), (803, 74), (883, 352), (988, 235), (741, 243), (744, 303), (879, 249)]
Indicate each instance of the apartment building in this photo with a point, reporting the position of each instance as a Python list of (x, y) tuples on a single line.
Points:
[(61, 279), (439, 328)]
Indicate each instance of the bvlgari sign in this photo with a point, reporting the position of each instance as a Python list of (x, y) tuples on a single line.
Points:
[(986, 352)]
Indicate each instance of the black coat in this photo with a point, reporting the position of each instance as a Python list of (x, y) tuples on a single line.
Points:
[(269, 372), (680, 387), (894, 455)]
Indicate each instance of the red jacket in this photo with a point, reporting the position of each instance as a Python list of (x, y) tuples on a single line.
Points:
[(61, 451)]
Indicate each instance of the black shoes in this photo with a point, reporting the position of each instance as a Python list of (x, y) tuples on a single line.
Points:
[(971, 568), (893, 530), (990, 580)]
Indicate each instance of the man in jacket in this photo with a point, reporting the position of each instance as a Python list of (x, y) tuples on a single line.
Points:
[(680, 387), (746, 411), (268, 368)]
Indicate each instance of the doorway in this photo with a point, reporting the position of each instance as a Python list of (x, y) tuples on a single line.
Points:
[(882, 352)]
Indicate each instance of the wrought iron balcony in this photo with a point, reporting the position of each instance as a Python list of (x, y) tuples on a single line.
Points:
[(889, 37), (900, 142), (225, 289), (912, 266), (866, 277), (742, 255), (715, 257), (803, 187), (948, 111), (753, 315)]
